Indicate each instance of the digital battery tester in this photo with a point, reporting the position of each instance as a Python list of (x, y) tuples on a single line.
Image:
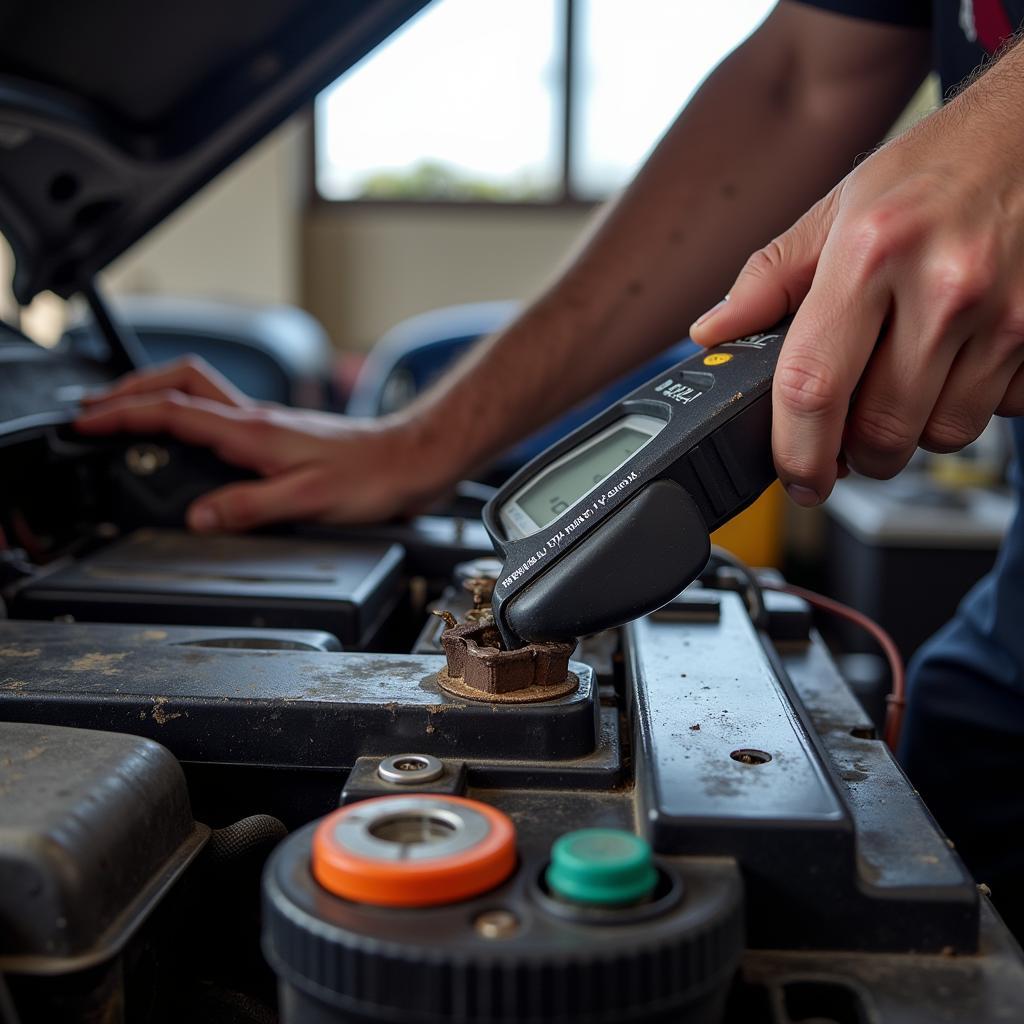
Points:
[(614, 520)]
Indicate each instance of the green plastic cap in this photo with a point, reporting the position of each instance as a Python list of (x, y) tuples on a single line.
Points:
[(603, 867)]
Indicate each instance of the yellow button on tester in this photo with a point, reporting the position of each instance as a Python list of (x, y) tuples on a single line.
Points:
[(717, 358)]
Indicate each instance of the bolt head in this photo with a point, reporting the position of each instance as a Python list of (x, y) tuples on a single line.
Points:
[(496, 924)]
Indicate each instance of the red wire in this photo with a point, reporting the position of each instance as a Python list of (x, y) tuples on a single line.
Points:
[(896, 700)]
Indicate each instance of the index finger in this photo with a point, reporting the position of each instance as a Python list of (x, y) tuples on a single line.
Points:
[(825, 352), (190, 375), (193, 420)]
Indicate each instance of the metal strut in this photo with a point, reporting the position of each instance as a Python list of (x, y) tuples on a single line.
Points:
[(126, 351)]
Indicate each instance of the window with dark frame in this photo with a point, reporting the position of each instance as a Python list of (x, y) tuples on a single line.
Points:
[(518, 101)]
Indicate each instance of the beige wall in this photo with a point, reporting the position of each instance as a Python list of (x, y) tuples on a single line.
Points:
[(237, 239), (368, 267), (365, 268), (251, 235), (359, 269)]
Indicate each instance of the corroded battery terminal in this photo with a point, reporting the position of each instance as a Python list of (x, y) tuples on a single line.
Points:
[(479, 668), (482, 590)]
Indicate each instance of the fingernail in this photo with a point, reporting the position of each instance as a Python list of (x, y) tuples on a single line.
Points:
[(203, 519), (705, 317), (803, 495)]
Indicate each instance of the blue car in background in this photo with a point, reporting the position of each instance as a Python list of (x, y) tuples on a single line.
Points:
[(417, 351)]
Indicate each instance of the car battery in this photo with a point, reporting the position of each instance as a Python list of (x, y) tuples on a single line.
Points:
[(346, 588), (755, 781), (274, 722), (718, 819)]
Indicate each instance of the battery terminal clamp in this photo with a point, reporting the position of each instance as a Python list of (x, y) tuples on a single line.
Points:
[(478, 667)]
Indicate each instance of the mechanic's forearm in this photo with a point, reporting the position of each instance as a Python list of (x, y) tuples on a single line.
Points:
[(747, 156)]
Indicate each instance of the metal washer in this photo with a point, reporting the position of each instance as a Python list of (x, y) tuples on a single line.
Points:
[(410, 769), (355, 832)]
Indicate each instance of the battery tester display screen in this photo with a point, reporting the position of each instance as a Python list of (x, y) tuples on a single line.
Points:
[(568, 481)]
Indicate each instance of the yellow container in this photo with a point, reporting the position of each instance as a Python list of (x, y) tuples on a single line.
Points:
[(755, 536)]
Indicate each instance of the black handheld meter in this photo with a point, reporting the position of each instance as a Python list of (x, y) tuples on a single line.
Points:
[(614, 520)]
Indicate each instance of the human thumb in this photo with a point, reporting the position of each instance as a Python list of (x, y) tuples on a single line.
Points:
[(772, 283)]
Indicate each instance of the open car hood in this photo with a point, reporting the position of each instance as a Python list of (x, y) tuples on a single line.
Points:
[(113, 114)]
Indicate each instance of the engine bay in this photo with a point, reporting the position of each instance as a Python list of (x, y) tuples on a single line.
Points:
[(180, 714)]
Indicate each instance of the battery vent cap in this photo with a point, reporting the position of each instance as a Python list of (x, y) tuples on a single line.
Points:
[(605, 867), (413, 851)]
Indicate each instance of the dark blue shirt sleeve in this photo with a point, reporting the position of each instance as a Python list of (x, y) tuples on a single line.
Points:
[(893, 12)]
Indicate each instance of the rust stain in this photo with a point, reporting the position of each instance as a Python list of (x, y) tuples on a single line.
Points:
[(30, 755), (11, 651), (449, 620), (96, 661), (8, 784), (160, 715), (482, 590), (154, 634)]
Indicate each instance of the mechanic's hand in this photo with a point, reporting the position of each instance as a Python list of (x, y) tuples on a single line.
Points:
[(907, 279), (317, 466)]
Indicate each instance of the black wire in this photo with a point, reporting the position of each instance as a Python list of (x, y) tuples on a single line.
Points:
[(754, 592)]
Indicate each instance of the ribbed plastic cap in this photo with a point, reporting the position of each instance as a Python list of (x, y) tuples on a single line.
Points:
[(604, 867), (341, 960)]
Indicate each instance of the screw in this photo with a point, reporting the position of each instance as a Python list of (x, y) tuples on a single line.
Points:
[(146, 459), (410, 769), (750, 756), (496, 924), (450, 622)]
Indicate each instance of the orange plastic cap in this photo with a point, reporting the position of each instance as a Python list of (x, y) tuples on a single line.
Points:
[(418, 850)]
